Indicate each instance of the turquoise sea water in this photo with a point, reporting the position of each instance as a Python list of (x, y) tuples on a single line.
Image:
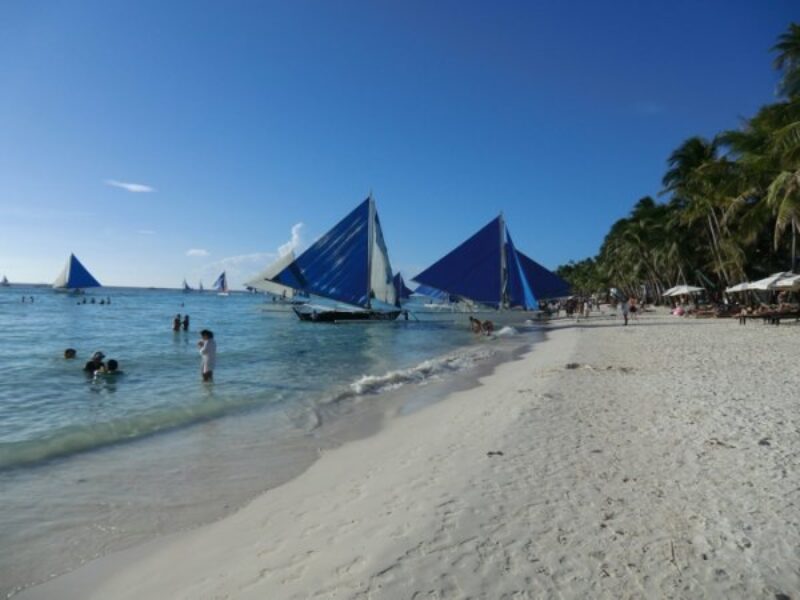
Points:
[(89, 465)]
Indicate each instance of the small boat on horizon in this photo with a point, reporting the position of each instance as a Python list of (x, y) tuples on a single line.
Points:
[(346, 273), (74, 278), (186, 287), (4, 282), (221, 285)]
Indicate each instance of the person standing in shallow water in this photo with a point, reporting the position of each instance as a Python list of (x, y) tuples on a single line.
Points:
[(186, 323), (208, 355), (176, 322)]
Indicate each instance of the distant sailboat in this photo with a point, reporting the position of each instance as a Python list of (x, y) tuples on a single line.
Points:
[(200, 287), (221, 285), (186, 287), (74, 277), (488, 271), (4, 282), (349, 269)]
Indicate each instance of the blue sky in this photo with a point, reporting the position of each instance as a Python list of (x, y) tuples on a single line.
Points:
[(244, 119)]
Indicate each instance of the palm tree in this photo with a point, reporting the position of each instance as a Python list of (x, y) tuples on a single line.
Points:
[(788, 61)]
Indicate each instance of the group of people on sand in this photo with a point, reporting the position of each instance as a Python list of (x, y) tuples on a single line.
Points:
[(95, 365), (482, 327)]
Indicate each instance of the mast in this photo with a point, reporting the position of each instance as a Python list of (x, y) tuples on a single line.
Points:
[(503, 265), (370, 245)]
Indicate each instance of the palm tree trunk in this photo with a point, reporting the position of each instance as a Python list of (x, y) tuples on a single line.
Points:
[(716, 250)]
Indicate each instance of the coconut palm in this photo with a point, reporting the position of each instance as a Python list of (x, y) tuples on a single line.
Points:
[(788, 61)]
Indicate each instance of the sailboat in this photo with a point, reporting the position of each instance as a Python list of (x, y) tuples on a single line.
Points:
[(200, 287), (348, 269), (4, 282), (401, 290), (489, 274), (221, 285), (282, 295), (74, 277), (186, 287)]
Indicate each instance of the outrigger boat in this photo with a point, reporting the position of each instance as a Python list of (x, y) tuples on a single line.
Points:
[(221, 285), (346, 273), (74, 278), (488, 277)]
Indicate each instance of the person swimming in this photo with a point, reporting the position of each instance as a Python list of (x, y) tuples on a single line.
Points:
[(70, 353), (475, 324), (95, 363)]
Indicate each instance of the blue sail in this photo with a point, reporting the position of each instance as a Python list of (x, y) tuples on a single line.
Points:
[(401, 290), (78, 276), (473, 269), (221, 283), (518, 289), (336, 266), (426, 290), (544, 283)]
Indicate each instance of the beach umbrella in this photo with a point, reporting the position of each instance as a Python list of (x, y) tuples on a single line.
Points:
[(684, 290), (739, 287), (790, 282), (768, 283), (669, 291)]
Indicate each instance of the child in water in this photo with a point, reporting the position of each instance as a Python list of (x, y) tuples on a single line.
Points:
[(208, 355)]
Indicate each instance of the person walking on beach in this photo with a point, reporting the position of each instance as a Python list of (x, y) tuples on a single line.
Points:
[(208, 355), (623, 306), (176, 322)]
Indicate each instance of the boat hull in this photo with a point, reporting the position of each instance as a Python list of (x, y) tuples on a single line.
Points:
[(338, 316)]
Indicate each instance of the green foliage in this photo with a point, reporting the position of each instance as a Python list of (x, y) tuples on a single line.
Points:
[(732, 201)]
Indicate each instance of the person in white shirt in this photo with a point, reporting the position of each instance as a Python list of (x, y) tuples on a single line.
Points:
[(208, 355)]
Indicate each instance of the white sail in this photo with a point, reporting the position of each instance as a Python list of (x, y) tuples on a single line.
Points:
[(263, 281), (61, 280), (380, 278)]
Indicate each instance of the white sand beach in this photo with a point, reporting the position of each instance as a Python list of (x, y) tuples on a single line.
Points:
[(658, 460)]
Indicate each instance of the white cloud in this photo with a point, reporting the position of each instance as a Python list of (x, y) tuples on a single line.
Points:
[(136, 188), (197, 252), (294, 241), (146, 232)]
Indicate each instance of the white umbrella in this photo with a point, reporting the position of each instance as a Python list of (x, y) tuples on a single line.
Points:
[(669, 291), (739, 287), (791, 282), (683, 290), (768, 283)]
